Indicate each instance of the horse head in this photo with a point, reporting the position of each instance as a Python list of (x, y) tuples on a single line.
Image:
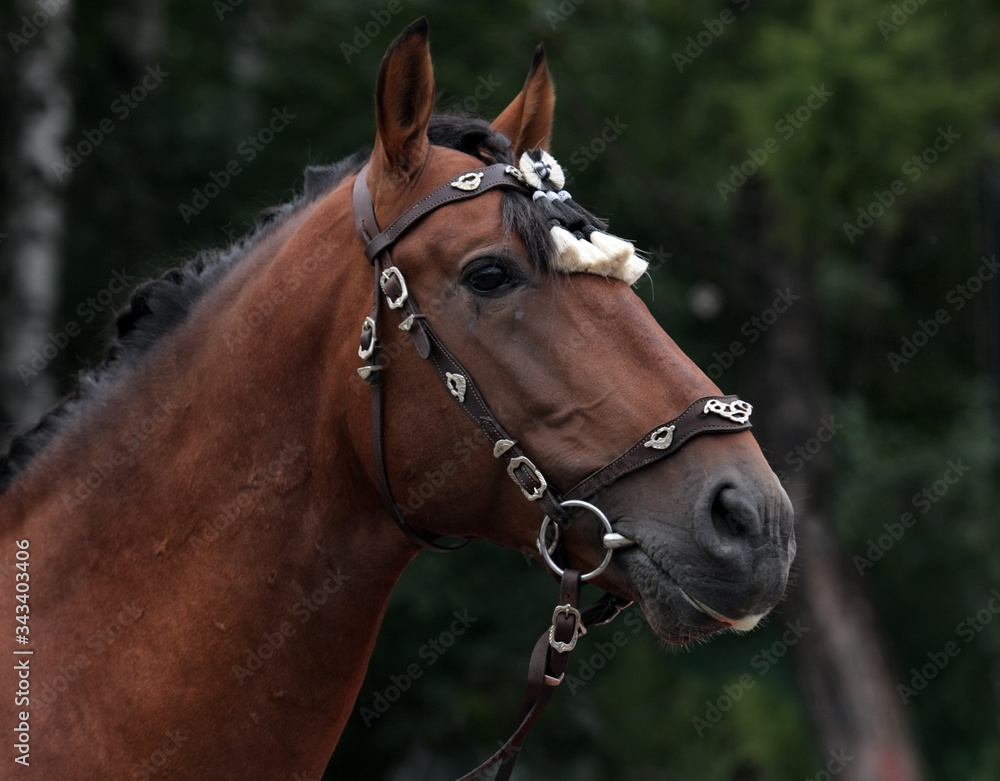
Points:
[(533, 298)]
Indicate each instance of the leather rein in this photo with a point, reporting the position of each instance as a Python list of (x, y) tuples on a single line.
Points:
[(710, 414)]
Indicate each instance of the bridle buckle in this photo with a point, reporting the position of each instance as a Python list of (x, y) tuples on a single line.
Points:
[(388, 276), (536, 494), (366, 351), (579, 630)]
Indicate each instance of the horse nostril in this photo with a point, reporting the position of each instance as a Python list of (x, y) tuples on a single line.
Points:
[(733, 516)]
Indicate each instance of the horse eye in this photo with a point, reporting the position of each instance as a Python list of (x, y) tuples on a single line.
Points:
[(491, 277)]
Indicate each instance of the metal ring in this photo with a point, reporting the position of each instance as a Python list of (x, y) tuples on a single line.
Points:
[(555, 541), (545, 527)]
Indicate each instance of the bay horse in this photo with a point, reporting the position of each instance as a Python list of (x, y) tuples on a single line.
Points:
[(199, 543)]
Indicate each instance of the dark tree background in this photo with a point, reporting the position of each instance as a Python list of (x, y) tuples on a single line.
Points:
[(815, 183)]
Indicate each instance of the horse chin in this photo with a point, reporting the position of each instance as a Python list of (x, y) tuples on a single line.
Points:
[(669, 609), (669, 602)]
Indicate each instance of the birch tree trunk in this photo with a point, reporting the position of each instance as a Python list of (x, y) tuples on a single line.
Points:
[(842, 668), (39, 119)]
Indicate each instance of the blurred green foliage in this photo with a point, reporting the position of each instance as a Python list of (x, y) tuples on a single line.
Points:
[(692, 95)]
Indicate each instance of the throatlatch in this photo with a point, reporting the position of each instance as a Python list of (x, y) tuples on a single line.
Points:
[(539, 177)]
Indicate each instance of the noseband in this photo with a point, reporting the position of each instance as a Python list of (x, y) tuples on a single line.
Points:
[(710, 414)]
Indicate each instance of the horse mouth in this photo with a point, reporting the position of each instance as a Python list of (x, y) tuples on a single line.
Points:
[(744, 624), (673, 612)]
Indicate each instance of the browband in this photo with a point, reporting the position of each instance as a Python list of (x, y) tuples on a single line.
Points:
[(473, 183)]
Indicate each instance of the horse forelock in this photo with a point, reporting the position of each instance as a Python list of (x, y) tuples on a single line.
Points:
[(533, 220)]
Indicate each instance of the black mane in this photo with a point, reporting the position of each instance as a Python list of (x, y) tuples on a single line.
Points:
[(157, 306)]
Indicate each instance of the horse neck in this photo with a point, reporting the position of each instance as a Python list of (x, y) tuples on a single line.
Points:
[(214, 500)]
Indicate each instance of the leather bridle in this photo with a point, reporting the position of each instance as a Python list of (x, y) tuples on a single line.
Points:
[(718, 414)]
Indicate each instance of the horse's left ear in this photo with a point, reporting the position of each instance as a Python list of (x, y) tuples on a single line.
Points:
[(527, 121), (404, 99)]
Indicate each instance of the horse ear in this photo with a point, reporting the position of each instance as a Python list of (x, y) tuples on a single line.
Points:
[(527, 121), (404, 98)]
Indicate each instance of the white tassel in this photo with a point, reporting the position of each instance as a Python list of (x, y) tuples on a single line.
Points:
[(596, 261), (615, 248), (602, 257), (562, 239), (633, 269), (572, 257)]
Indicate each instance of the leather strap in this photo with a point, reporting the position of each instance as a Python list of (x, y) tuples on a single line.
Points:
[(545, 672), (690, 423), (366, 223), (484, 179), (454, 376)]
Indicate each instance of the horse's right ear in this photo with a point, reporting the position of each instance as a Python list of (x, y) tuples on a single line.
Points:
[(404, 99), (527, 121)]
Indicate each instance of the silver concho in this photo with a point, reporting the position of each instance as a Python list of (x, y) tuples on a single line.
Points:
[(456, 386), (661, 438), (502, 446), (737, 411), (515, 172), (469, 181)]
